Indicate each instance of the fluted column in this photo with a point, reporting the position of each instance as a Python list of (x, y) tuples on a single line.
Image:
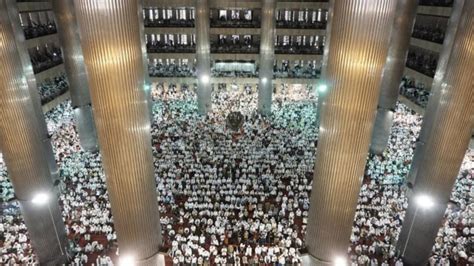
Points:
[(267, 57), (44, 135), (446, 145), (393, 73), (113, 56), (23, 152), (76, 72), (203, 57), (148, 84), (357, 54), (436, 88), (321, 86)]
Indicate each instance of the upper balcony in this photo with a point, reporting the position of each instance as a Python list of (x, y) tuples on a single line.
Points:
[(168, 17), (422, 61), (430, 28), (301, 19), (45, 57), (234, 18), (37, 23), (235, 44)]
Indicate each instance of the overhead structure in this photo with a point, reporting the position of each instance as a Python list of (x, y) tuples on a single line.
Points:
[(358, 49), (76, 73), (113, 56), (447, 139), (267, 57), (392, 73), (42, 128), (23, 152), (203, 57)]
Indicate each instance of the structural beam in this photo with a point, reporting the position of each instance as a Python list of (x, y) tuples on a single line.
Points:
[(393, 73), (447, 140), (267, 57), (436, 87), (44, 135), (23, 152), (76, 73), (203, 57), (114, 61), (357, 54)]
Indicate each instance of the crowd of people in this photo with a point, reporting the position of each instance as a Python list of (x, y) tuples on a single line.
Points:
[(171, 70), (45, 58), (237, 197), (297, 71), (299, 49), (429, 33), (37, 30), (415, 92), (422, 61), (52, 88), (170, 47)]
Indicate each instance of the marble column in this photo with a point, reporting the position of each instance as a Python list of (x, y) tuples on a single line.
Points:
[(321, 85), (23, 152), (445, 147), (393, 73), (44, 135), (203, 57), (357, 54), (112, 50), (76, 73), (267, 57), (436, 88)]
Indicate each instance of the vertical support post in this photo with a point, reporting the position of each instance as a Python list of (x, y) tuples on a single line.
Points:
[(76, 73), (44, 135), (203, 57), (112, 50), (23, 151), (451, 30), (447, 138), (393, 73), (267, 57), (359, 45)]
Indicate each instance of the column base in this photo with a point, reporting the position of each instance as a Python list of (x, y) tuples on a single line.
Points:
[(309, 260)]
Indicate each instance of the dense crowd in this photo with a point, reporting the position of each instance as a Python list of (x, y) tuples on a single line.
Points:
[(237, 197), (52, 88), (37, 30), (170, 47), (415, 92), (171, 70), (299, 49), (45, 58), (429, 33), (422, 61)]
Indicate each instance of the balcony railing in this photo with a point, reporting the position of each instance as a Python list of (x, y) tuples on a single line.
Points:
[(287, 49), (188, 23), (167, 48), (39, 30), (226, 48), (242, 23), (283, 24)]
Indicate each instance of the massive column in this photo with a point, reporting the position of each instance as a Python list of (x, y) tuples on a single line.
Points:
[(446, 143), (393, 73), (23, 151), (76, 72), (321, 86), (148, 84), (267, 57), (44, 135), (436, 88), (203, 57), (112, 53), (359, 46)]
